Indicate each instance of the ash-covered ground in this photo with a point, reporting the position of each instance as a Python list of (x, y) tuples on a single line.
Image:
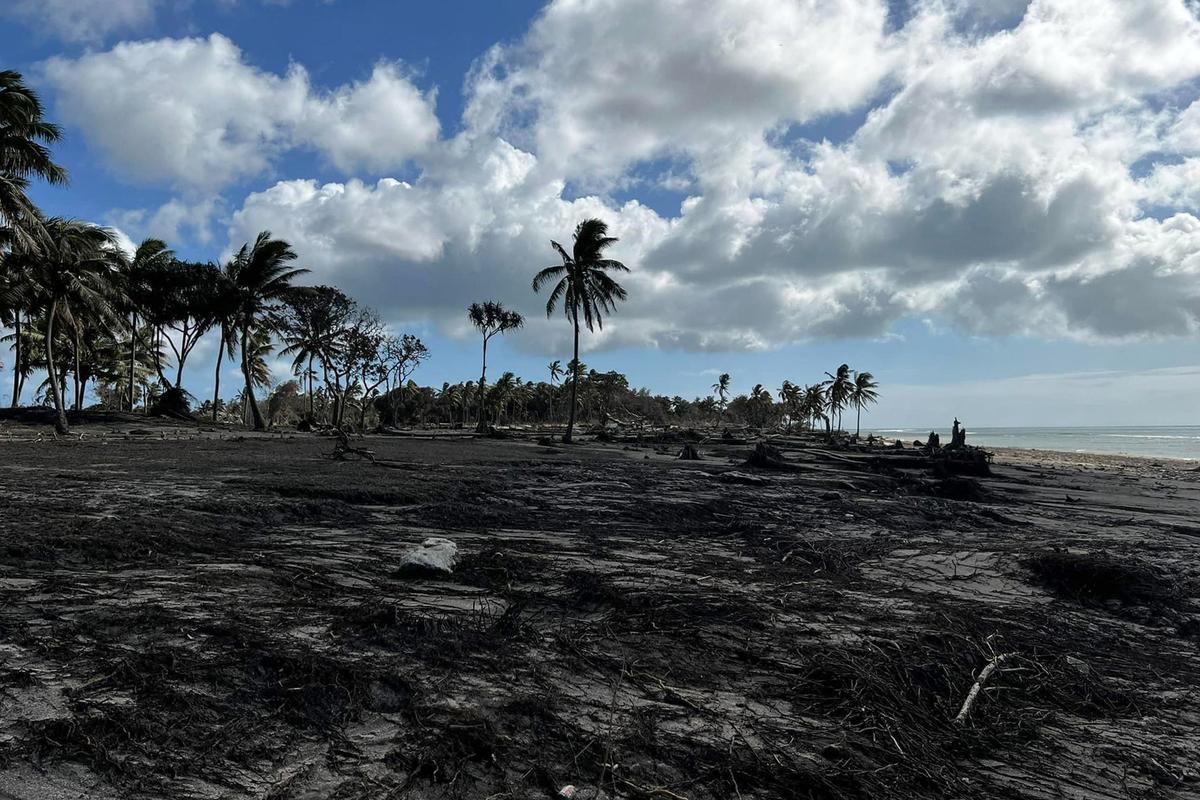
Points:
[(205, 615)]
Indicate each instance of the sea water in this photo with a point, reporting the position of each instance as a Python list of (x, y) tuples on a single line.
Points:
[(1152, 442)]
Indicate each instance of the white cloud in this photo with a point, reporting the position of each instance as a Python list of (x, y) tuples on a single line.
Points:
[(376, 124), (988, 187), (195, 113), (613, 83), (169, 221), (83, 20)]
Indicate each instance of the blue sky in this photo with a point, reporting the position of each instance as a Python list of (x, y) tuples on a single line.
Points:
[(959, 197)]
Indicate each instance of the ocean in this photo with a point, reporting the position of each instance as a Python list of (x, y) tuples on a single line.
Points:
[(1152, 442)]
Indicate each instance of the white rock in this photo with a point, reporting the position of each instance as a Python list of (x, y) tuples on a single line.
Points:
[(433, 555)]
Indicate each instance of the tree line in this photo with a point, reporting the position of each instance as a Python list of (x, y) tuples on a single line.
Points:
[(92, 316)]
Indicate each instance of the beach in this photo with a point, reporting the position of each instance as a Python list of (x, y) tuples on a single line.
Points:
[(205, 613)]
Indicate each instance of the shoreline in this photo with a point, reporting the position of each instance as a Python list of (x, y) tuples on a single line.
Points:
[(1089, 460)]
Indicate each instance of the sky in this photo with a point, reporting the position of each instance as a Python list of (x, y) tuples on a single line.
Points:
[(991, 205)]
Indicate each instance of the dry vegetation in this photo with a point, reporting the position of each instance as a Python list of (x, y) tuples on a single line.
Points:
[(213, 616)]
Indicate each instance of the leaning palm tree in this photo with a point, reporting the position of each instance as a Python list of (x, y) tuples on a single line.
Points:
[(261, 278), (813, 404), (721, 390), (585, 287), (490, 319), (837, 390), (24, 135), (863, 392), (76, 272)]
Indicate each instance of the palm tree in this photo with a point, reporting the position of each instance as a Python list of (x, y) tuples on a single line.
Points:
[(813, 403), (149, 257), (261, 278), (256, 348), (556, 372), (17, 300), (223, 303), (584, 285), (863, 392), (23, 155), (760, 404), (837, 390), (76, 271), (315, 330), (790, 396), (490, 319), (721, 390)]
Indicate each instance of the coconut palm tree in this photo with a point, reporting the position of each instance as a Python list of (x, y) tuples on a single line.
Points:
[(490, 319), (837, 390), (790, 396), (863, 393), (556, 372), (17, 301), (150, 256), (261, 278), (76, 270), (583, 284), (24, 136), (223, 303), (721, 390), (813, 403)]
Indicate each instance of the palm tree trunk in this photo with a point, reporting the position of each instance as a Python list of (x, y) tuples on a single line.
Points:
[(574, 381), (259, 423), (217, 375), (179, 366), (481, 425), (158, 356), (310, 391), (133, 331), (60, 419), (75, 378), (16, 397), (858, 421)]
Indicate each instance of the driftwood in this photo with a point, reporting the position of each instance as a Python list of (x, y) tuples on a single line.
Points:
[(972, 695), (343, 450)]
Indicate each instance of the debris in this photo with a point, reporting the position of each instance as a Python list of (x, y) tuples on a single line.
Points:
[(743, 478), (767, 457), (952, 488), (1100, 577)]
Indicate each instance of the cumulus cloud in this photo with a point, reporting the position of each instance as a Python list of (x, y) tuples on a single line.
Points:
[(989, 183), (995, 179), (617, 82), (196, 114)]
